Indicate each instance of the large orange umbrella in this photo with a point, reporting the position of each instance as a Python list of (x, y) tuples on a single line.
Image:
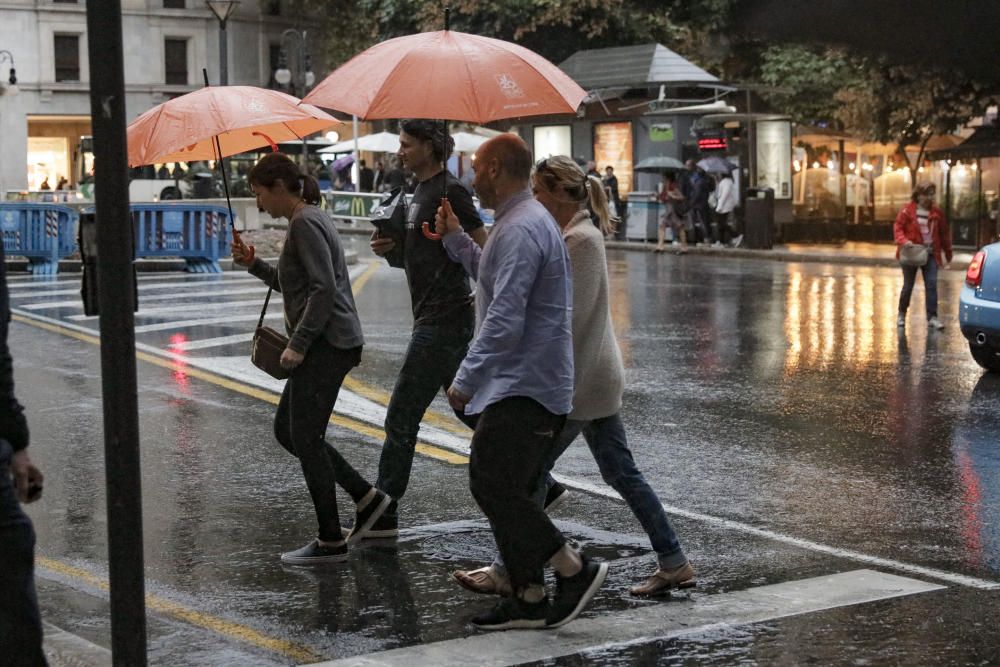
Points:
[(448, 75), (241, 117)]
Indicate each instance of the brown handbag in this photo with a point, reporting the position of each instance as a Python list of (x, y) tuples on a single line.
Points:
[(267, 346)]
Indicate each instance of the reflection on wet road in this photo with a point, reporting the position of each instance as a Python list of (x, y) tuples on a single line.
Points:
[(775, 407)]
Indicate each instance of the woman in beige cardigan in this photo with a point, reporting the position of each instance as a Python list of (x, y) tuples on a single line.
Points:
[(569, 195)]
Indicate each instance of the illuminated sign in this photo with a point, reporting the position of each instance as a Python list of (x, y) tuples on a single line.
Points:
[(712, 144)]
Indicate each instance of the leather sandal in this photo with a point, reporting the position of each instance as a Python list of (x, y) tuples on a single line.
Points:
[(664, 581), (486, 580)]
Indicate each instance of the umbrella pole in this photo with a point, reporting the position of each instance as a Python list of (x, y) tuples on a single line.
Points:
[(222, 168)]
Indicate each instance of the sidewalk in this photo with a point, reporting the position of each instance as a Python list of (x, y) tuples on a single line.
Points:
[(852, 252)]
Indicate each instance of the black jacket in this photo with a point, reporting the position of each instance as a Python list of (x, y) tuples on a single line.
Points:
[(13, 425)]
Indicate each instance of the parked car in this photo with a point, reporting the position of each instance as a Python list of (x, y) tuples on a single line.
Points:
[(979, 307)]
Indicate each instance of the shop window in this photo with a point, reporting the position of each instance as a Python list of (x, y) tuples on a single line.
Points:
[(552, 140), (173, 4), (67, 57), (176, 61)]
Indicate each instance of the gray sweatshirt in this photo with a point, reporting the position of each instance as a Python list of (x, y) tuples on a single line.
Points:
[(313, 280)]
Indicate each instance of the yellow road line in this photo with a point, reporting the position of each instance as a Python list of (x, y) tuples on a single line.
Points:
[(360, 427), (443, 422), (237, 631)]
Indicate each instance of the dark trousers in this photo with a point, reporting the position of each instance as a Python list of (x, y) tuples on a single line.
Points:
[(513, 440), (20, 623), (929, 271), (300, 427), (432, 359)]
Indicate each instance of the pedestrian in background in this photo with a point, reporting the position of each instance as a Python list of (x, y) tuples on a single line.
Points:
[(562, 188), (20, 482), (441, 300), (612, 194), (518, 379), (379, 177), (366, 177), (325, 342), (675, 215), (697, 186), (726, 201), (395, 177), (922, 223)]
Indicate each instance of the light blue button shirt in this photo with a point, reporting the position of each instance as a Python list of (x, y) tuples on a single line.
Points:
[(524, 302)]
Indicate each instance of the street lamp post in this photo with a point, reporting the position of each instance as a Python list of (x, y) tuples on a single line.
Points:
[(302, 78), (7, 57), (223, 9)]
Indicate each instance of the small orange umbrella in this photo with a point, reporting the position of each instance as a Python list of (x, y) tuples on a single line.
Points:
[(448, 75), (241, 117)]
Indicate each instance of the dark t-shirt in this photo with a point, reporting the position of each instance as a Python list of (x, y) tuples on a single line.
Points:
[(439, 288)]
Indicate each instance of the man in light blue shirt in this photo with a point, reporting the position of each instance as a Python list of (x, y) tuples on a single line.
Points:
[(518, 379)]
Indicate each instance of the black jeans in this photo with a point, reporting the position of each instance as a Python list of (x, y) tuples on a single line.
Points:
[(432, 359), (513, 440), (300, 427), (20, 623)]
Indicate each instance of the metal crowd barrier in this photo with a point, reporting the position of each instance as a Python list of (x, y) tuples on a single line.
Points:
[(43, 233), (197, 233)]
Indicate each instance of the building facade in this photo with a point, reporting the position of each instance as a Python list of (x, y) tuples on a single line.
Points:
[(166, 44)]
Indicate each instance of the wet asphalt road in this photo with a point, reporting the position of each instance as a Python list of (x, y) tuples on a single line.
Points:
[(789, 428)]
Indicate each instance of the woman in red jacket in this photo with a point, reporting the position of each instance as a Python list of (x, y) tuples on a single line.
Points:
[(921, 222)]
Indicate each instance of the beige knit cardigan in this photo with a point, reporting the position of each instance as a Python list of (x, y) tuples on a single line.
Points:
[(598, 371)]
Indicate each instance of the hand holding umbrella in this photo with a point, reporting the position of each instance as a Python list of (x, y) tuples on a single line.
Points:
[(243, 254), (445, 222)]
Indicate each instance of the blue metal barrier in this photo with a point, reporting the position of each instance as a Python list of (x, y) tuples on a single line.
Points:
[(197, 233), (44, 233)]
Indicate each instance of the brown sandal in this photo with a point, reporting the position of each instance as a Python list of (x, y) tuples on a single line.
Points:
[(485, 580), (663, 581)]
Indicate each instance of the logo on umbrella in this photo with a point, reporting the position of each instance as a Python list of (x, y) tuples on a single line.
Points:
[(508, 86), (254, 106)]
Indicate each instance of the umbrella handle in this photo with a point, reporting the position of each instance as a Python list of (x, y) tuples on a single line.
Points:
[(274, 146), (433, 236)]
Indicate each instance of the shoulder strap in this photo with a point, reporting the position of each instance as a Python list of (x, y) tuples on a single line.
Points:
[(263, 310)]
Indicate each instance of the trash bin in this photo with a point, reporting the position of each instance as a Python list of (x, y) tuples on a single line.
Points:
[(758, 219), (642, 216)]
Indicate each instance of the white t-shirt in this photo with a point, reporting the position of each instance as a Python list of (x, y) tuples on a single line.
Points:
[(923, 219)]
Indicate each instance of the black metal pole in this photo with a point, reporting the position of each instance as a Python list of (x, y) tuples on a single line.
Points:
[(116, 292), (223, 55)]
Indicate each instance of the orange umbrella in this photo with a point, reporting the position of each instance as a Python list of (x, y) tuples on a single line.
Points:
[(242, 117), (448, 75)]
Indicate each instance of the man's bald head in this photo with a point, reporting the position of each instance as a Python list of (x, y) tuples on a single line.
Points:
[(511, 153)]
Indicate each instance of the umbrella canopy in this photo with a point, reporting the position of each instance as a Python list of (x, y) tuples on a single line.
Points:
[(659, 163), (382, 142), (448, 75), (716, 165), (467, 142), (242, 117)]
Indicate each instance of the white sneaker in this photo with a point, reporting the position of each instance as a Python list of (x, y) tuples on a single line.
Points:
[(901, 321), (935, 323)]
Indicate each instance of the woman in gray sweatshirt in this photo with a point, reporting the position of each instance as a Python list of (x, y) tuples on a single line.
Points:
[(324, 344)]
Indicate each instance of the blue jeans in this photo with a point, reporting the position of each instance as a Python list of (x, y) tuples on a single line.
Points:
[(432, 359), (20, 623), (609, 446), (930, 271)]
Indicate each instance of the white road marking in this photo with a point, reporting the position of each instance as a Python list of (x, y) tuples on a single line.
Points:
[(189, 308), (63, 648), (204, 321), (649, 623), (142, 288), (147, 298), (210, 342), (719, 522)]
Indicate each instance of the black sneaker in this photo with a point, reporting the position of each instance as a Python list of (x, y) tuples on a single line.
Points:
[(316, 554), (385, 527), (512, 613), (574, 593), (365, 519), (555, 496)]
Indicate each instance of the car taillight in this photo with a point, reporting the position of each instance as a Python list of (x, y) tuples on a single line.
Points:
[(974, 275)]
